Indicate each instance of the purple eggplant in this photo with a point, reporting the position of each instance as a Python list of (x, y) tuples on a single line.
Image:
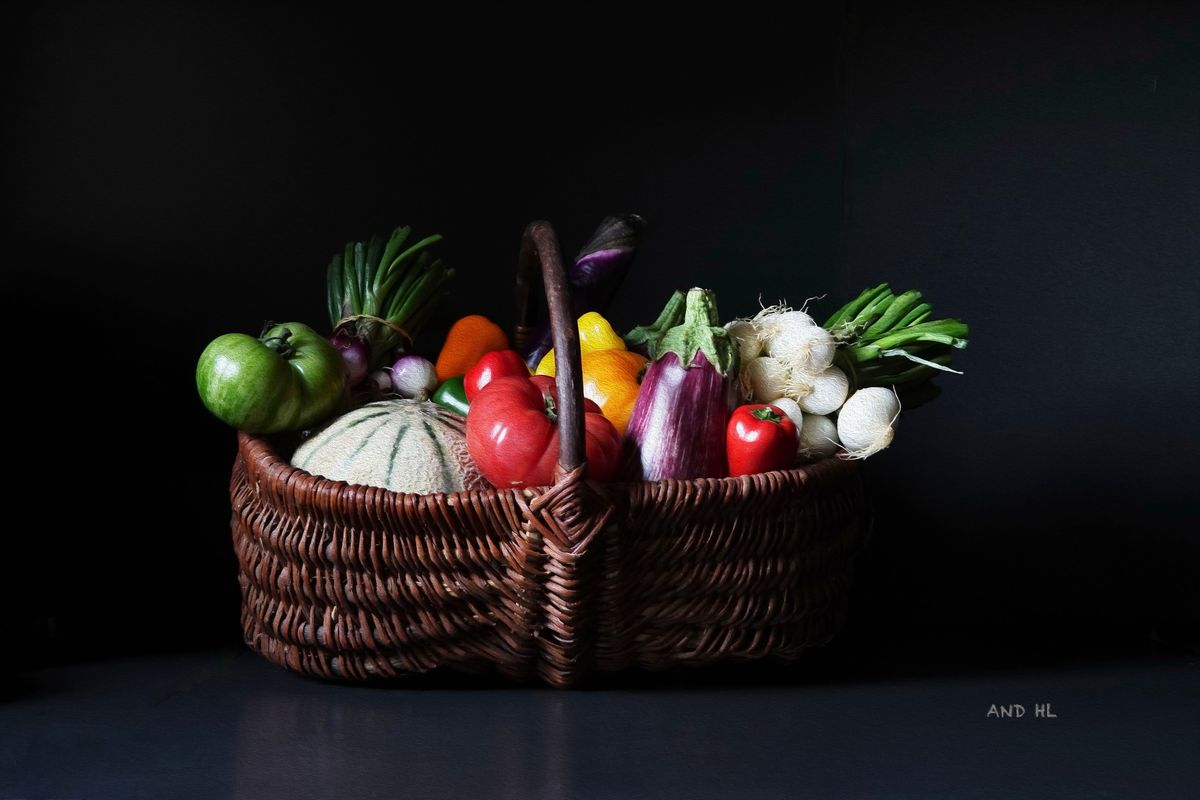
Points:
[(595, 276), (678, 424)]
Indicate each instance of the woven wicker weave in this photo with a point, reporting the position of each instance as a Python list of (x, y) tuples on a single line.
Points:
[(354, 582)]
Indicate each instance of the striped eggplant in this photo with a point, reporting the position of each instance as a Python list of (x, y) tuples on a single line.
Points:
[(678, 424)]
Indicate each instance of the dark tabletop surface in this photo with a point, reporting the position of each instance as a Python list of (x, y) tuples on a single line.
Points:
[(225, 723)]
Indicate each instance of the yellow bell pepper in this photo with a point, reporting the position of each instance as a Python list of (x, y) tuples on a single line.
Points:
[(594, 334), (611, 373)]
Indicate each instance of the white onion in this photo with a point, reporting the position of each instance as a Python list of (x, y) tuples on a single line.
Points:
[(866, 422), (745, 334), (799, 384), (808, 349), (773, 321), (764, 379), (822, 348), (818, 437), (829, 391)]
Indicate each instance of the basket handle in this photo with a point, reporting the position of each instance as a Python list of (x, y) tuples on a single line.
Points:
[(540, 252)]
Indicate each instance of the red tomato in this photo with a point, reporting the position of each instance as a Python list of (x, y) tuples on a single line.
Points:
[(760, 438), (512, 434), (496, 364)]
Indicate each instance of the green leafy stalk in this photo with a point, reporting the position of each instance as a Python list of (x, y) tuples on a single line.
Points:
[(375, 250), (395, 242), (919, 313), (896, 311), (852, 309), (350, 271), (334, 289), (874, 310), (383, 293)]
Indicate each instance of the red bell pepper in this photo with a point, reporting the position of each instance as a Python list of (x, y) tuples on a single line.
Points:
[(759, 438), (512, 433), (496, 364)]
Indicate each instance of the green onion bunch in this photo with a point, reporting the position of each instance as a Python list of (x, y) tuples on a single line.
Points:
[(888, 340), (381, 292)]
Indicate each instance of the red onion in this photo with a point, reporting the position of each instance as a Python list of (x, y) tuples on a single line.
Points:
[(414, 377), (355, 355)]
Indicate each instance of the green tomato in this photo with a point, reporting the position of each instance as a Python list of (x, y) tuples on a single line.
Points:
[(290, 378)]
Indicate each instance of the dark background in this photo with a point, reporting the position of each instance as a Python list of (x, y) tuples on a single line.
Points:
[(176, 171)]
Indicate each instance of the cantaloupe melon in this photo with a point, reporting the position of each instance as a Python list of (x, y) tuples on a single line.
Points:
[(402, 445)]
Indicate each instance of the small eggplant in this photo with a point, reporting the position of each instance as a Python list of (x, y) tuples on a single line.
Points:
[(594, 277)]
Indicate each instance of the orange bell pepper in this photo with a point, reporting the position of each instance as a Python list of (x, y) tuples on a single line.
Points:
[(468, 341)]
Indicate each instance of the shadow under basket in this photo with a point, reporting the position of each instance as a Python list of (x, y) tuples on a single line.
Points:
[(360, 583)]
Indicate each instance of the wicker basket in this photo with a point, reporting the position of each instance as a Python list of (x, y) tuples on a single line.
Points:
[(353, 582)]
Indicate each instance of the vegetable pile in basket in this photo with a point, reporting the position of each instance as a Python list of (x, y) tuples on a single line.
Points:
[(688, 395)]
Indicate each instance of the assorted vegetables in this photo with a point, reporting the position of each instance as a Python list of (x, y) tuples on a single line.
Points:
[(682, 397), (873, 355)]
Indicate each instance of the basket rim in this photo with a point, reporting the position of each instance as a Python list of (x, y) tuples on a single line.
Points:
[(279, 471)]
